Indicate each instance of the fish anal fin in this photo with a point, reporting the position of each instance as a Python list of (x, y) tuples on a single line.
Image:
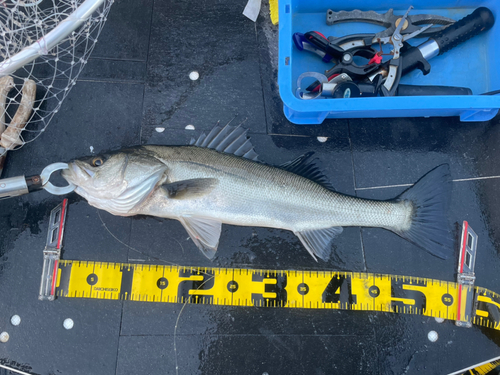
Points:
[(306, 167), (204, 232), (189, 189), (318, 241)]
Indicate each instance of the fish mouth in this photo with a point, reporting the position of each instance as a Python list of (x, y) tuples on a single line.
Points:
[(88, 171), (77, 171), (78, 167)]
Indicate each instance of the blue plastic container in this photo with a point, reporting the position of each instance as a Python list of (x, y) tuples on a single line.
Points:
[(473, 64)]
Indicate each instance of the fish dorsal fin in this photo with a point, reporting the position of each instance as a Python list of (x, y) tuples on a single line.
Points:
[(229, 139), (204, 232), (317, 241), (188, 189), (306, 167)]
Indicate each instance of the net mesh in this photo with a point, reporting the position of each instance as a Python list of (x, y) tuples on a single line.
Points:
[(27, 22)]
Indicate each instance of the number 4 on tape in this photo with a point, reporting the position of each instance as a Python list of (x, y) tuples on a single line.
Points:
[(462, 301)]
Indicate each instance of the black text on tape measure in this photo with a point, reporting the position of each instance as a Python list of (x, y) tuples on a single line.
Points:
[(271, 288)]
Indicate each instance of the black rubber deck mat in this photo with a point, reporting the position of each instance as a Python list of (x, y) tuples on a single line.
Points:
[(137, 81)]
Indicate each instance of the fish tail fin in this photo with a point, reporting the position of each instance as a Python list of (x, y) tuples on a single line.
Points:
[(430, 198)]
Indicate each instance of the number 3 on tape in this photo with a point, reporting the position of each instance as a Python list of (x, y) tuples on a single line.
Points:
[(459, 301)]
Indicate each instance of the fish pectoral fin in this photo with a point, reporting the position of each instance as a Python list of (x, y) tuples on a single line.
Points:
[(204, 232), (188, 189), (317, 241)]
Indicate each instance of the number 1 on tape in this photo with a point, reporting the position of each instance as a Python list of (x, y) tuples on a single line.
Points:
[(272, 288)]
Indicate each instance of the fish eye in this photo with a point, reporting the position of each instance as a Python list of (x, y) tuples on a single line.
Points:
[(97, 161)]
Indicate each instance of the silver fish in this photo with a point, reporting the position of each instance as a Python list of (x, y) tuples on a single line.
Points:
[(217, 180)]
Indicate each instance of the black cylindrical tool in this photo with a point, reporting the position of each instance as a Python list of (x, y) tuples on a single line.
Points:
[(411, 90), (417, 57), (363, 90), (413, 58), (475, 23)]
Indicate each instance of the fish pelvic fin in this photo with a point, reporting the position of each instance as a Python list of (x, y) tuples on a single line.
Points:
[(318, 241), (430, 199), (204, 232)]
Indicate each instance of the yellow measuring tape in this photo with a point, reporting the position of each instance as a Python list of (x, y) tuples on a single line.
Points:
[(271, 288), (484, 369), (480, 368)]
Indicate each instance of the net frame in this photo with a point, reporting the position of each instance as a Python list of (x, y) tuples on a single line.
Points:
[(45, 43)]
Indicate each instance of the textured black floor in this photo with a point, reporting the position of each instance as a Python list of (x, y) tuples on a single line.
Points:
[(136, 81)]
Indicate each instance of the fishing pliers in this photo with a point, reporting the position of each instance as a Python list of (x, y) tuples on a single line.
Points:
[(395, 64), (345, 48), (391, 22)]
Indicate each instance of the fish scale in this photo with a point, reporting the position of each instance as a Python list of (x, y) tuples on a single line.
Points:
[(204, 187), (243, 182)]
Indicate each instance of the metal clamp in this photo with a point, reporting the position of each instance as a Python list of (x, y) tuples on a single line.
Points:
[(52, 252), (301, 93), (20, 185), (48, 186), (466, 276), (328, 89)]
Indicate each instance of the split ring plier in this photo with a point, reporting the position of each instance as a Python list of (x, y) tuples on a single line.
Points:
[(345, 48), (395, 65)]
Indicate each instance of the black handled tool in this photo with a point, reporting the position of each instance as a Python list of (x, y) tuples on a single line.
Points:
[(411, 90), (345, 53), (345, 58), (364, 89), (480, 20), (475, 23), (391, 83)]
